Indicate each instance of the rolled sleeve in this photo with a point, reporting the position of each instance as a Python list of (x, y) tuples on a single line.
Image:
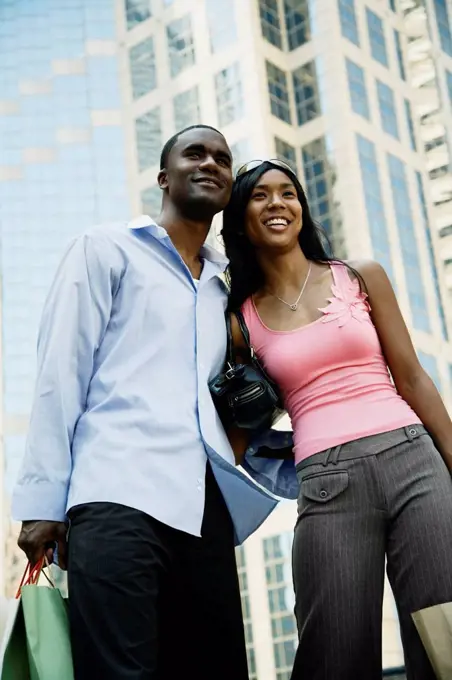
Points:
[(276, 475), (74, 319)]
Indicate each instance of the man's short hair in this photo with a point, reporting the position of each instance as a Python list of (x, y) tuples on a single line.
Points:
[(171, 142)]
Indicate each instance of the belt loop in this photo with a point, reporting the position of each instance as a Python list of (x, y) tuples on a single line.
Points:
[(327, 457), (335, 454)]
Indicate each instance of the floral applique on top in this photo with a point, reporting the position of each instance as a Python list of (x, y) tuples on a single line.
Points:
[(349, 302)]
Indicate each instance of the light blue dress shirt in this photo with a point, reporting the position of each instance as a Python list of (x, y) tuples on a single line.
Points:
[(122, 410)]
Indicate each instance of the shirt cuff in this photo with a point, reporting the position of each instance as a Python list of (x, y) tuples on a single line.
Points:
[(39, 501), (275, 474)]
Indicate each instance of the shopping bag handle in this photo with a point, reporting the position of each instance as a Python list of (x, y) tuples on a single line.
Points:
[(32, 573)]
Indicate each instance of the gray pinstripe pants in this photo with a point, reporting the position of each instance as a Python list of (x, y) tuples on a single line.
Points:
[(389, 494)]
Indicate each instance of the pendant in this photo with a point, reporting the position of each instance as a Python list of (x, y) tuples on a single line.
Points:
[(294, 307)]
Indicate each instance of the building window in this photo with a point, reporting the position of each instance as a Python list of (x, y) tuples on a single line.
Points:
[(222, 24), (270, 23), (357, 88), (408, 243), (430, 365), (387, 109), (240, 153), (281, 600), (186, 109), (442, 21), (181, 48), (410, 125), (320, 178), (306, 91), (449, 85), (279, 93), (347, 16), (286, 152), (228, 87), (376, 37), (392, 5), (142, 68), (149, 139), (298, 26), (151, 201), (431, 255), (374, 205), (399, 52), (137, 11), (246, 611)]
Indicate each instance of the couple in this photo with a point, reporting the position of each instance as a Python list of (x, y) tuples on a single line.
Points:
[(131, 479)]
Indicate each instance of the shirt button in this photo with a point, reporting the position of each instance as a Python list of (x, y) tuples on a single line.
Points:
[(199, 487)]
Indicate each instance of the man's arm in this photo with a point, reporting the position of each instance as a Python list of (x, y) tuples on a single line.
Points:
[(73, 323)]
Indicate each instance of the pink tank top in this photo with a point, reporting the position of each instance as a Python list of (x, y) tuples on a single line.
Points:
[(333, 376)]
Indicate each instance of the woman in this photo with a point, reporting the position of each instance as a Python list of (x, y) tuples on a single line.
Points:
[(373, 482)]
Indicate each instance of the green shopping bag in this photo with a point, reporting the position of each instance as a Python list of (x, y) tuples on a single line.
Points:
[(36, 644)]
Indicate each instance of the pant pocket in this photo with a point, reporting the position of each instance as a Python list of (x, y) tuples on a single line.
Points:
[(321, 488)]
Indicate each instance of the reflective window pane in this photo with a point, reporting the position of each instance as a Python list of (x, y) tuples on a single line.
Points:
[(431, 255), (347, 16), (298, 27), (375, 210), (149, 139), (270, 22), (399, 52), (142, 68), (278, 91), (186, 109), (151, 201), (376, 37), (410, 125), (443, 25), (228, 87), (408, 243), (137, 11), (286, 152), (181, 47), (357, 89), (306, 91), (222, 24), (387, 109)]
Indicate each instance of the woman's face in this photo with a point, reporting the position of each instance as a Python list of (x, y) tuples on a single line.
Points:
[(273, 216)]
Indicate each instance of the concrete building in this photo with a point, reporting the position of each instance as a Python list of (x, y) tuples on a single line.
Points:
[(89, 92), (429, 70)]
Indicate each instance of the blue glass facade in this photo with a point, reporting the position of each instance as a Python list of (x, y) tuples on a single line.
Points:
[(357, 88), (431, 255), (62, 166), (388, 113), (443, 24), (408, 243), (374, 205), (347, 17), (430, 365), (399, 52), (377, 37), (410, 125)]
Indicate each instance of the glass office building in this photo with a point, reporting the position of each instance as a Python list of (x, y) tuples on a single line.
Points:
[(91, 89)]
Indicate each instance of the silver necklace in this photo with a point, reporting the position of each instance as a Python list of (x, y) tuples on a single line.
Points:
[(294, 305)]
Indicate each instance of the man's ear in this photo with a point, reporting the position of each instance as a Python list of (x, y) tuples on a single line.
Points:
[(162, 179)]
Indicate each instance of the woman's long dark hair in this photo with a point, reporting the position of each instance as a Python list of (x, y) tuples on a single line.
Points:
[(244, 275)]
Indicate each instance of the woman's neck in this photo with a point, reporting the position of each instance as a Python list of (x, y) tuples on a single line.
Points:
[(285, 271)]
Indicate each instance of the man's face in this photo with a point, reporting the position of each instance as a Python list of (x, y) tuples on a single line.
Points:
[(198, 176)]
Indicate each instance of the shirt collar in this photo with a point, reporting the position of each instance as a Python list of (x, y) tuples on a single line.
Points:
[(207, 252)]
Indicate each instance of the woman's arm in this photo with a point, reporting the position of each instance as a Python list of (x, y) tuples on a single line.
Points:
[(238, 438), (410, 379)]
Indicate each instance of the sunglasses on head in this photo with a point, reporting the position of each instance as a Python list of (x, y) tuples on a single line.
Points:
[(252, 165)]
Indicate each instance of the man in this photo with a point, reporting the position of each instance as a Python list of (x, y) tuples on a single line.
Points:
[(125, 446)]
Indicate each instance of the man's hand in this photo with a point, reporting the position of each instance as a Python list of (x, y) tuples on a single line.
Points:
[(38, 538)]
